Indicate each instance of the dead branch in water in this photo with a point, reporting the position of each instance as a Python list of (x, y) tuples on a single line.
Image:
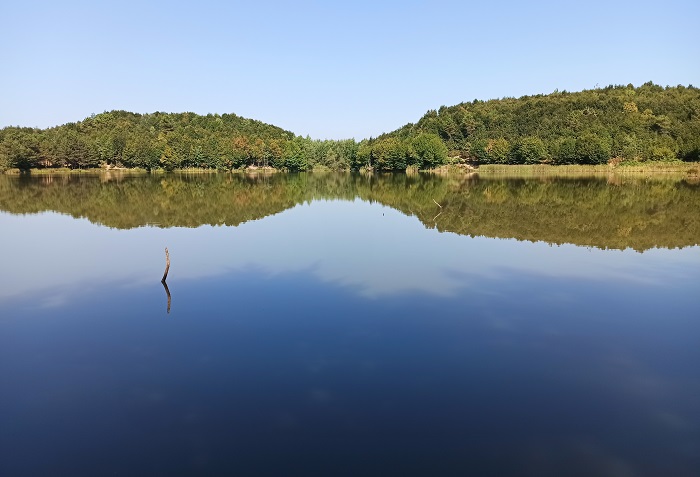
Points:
[(167, 265)]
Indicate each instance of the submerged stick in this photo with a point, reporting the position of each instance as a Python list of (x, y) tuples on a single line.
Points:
[(167, 265)]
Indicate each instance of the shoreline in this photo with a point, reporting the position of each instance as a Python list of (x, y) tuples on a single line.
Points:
[(689, 170), (686, 169)]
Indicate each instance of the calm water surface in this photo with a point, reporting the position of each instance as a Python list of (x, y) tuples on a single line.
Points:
[(345, 325)]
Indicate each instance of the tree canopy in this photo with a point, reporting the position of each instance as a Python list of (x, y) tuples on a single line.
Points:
[(618, 123), (648, 123)]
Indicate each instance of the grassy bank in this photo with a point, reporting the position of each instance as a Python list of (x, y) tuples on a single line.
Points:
[(135, 170), (65, 170)]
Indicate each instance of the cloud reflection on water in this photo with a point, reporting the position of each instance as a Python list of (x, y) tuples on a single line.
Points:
[(373, 248)]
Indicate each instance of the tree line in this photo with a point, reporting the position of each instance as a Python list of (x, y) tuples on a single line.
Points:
[(615, 124)]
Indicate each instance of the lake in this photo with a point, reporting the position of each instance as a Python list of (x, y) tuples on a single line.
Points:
[(346, 325)]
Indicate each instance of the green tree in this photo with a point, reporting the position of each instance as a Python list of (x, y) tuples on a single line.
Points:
[(167, 158), (497, 151), (294, 156), (530, 150), (565, 151), (428, 151), (389, 154), (19, 149), (662, 153), (592, 149), (363, 158)]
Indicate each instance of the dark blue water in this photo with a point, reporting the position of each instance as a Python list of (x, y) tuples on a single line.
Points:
[(361, 345)]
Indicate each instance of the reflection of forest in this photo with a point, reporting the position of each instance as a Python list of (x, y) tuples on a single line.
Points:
[(635, 213)]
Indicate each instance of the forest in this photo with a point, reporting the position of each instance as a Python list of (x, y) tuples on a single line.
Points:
[(614, 125)]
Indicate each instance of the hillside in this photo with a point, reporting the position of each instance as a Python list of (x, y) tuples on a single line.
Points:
[(148, 141), (616, 124), (623, 123)]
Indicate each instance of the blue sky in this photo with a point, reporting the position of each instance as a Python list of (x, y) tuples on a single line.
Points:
[(327, 69)]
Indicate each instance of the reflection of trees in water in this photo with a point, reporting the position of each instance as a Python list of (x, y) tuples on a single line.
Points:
[(635, 213)]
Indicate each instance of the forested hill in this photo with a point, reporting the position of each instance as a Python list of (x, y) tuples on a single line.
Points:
[(616, 124), (149, 141), (620, 123)]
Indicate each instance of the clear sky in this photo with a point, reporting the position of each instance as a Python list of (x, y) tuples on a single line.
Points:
[(327, 69)]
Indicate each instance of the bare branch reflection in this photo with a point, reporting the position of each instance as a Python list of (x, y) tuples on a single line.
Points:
[(167, 292)]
